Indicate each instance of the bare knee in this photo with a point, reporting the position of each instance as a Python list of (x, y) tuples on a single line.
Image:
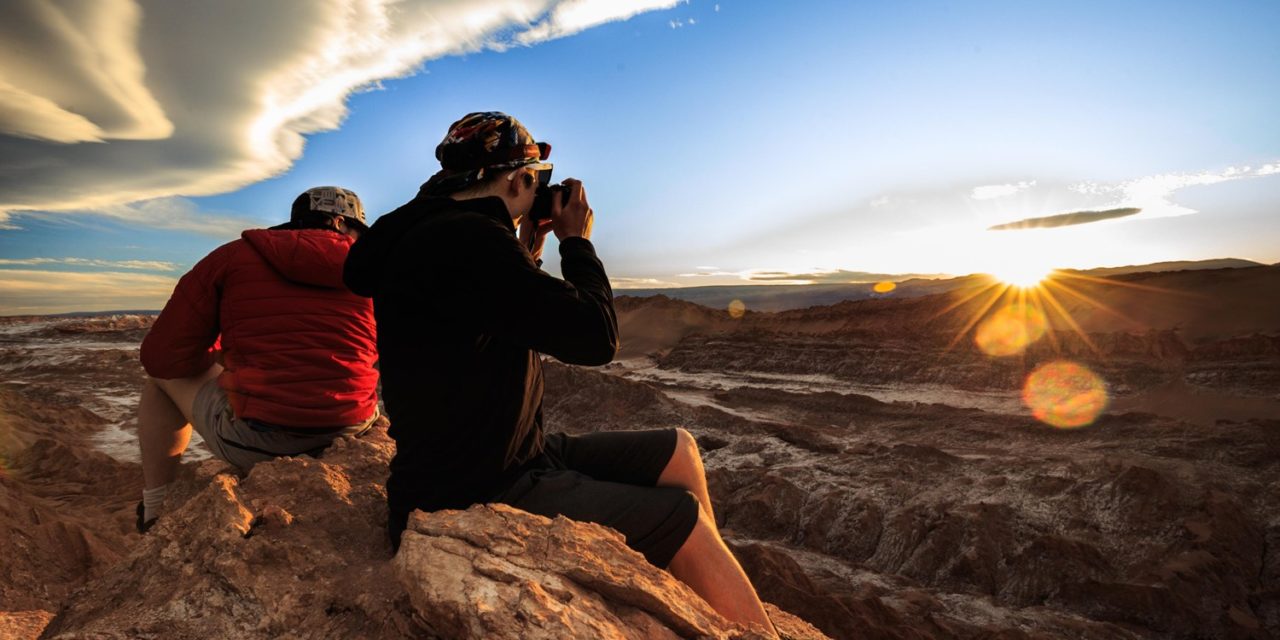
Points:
[(685, 469), (178, 393), (686, 448)]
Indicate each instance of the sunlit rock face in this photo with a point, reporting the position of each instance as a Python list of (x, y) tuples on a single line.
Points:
[(497, 572), (294, 548), (298, 548), (63, 505)]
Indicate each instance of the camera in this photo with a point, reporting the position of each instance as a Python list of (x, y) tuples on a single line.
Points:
[(541, 209)]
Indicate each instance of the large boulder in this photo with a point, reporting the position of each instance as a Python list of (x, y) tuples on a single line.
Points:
[(498, 572), (298, 549)]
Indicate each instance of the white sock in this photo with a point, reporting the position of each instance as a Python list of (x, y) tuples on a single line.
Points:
[(152, 501)]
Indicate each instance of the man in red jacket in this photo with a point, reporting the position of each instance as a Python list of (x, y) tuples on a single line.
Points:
[(261, 348)]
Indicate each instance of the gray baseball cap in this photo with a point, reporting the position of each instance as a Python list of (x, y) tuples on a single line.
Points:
[(333, 201)]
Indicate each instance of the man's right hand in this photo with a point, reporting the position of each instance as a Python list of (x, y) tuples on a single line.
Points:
[(572, 219)]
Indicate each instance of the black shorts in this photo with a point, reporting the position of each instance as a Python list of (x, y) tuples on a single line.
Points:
[(609, 478)]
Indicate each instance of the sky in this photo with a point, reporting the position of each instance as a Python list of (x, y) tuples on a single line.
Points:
[(725, 142)]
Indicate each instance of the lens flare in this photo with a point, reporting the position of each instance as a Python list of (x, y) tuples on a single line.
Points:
[(737, 309), (1009, 331), (884, 287), (1065, 395)]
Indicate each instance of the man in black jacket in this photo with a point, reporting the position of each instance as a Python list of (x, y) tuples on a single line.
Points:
[(463, 312)]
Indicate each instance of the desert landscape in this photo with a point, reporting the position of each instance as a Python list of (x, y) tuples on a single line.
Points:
[(879, 473), (972, 309)]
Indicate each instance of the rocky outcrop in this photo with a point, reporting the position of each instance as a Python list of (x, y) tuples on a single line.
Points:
[(497, 572), (292, 550), (63, 507), (298, 549), (652, 325)]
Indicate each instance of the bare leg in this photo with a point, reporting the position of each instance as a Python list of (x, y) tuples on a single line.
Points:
[(685, 471), (164, 424), (704, 562), (163, 434), (709, 568)]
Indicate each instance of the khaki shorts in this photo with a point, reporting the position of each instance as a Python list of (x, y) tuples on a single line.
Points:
[(244, 443)]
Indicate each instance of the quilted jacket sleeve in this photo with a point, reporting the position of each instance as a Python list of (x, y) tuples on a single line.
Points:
[(182, 342)]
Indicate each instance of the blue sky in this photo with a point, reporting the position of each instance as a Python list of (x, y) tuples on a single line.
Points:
[(719, 141)]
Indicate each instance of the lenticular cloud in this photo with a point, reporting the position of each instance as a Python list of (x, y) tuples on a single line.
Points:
[(114, 101)]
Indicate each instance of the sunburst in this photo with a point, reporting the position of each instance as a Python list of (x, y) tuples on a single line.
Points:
[(992, 312)]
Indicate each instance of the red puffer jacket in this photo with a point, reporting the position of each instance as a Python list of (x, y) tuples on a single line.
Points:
[(298, 348)]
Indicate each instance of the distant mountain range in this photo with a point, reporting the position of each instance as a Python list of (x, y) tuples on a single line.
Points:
[(1179, 265), (784, 297)]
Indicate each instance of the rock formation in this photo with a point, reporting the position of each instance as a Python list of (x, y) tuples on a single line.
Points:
[(496, 572), (62, 505), (298, 549)]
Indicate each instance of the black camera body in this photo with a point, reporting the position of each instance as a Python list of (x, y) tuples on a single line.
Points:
[(541, 209)]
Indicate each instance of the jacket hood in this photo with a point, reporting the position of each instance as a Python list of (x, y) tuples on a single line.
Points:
[(367, 262), (307, 256)]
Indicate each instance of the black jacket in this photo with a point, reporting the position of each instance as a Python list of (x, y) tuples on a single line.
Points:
[(462, 314)]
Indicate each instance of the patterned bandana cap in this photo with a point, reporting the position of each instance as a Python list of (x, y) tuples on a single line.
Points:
[(478, 142), (331, 200)]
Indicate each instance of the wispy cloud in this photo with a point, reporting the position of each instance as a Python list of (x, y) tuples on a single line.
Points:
[(141, 265), (573, 16), (1066, 219), (641, 283), (173, 213), (991, 191), (180, 214), (715, 272), (43, 292), (837, 276), (1154, 194), (100, 107)]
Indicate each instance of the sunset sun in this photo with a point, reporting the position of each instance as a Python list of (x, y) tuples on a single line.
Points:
[(1021, 275)]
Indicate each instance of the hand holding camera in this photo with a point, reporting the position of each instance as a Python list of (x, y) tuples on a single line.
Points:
[(561, 208), (571, 216)]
